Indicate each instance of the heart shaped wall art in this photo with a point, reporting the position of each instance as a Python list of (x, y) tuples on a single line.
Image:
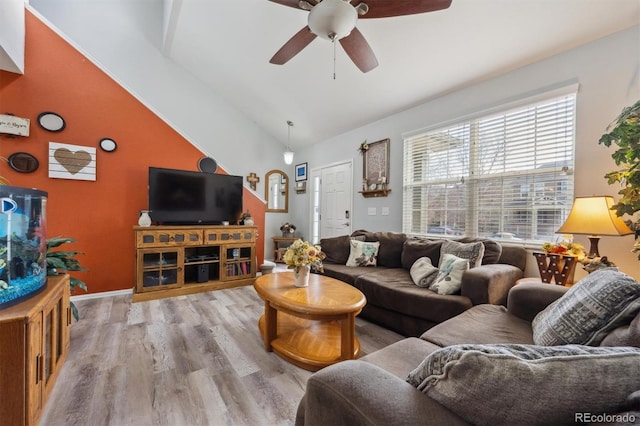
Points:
[(72, 161)]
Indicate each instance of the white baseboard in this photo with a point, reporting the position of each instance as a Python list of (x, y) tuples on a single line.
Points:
[(124, 292)]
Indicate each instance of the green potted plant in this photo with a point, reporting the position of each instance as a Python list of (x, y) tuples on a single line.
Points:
[(60, 262), (624, 132)]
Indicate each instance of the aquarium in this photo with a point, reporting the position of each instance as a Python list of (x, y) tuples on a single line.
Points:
[(23, 243)]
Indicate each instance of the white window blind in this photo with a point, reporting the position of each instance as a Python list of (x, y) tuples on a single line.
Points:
[(506, 175)]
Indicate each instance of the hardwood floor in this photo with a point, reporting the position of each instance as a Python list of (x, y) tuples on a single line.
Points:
[(189, 360)]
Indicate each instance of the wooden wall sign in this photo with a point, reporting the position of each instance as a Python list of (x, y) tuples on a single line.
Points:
[(14, 125), (72, 161)]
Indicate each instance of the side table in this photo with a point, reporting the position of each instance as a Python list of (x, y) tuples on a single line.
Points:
[(279, 246)]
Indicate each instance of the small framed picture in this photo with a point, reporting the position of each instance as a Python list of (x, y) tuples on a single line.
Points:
[(301, 172)]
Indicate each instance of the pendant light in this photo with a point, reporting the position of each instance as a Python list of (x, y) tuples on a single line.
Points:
[(288, 154)]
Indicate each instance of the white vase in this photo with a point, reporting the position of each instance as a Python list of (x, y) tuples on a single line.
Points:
[(302, 276), (248, 221), (144, 219)]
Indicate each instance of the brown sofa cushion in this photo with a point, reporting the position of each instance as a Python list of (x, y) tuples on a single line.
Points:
[(393, 289), (390, 253), (337, 248), (347, 274), (415, 248)]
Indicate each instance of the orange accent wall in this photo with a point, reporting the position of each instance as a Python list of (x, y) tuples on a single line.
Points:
[(100, 215)]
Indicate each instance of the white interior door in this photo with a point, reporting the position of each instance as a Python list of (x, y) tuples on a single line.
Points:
[(336, 191)]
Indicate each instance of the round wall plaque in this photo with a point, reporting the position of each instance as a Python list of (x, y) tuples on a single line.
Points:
[(51, 121), (207, 165), (108, 145)]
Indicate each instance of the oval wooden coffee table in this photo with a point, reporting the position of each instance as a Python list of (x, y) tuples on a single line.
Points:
[(311, 327)]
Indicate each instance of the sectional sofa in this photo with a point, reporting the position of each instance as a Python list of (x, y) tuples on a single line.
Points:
[(483, 366), (393, 298)]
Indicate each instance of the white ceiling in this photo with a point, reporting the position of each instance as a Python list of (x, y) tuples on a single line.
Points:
[(228, 43)]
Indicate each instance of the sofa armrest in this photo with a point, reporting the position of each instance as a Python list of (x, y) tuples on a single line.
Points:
[(527, 299), (360, 393), (490, 283)]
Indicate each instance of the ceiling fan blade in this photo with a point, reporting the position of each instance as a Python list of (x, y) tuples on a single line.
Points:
[(293, 46), (290, 3), (359, 51), (388, 8)]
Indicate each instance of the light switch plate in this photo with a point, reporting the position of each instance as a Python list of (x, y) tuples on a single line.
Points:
[(372, 211), (384, 211)]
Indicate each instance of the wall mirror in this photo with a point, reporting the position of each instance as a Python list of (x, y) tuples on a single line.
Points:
[(23, 162), (276, 191)]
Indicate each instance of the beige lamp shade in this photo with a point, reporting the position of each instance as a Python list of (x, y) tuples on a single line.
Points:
[(593, 216)]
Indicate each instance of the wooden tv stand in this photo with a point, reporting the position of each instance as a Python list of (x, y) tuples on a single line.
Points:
[(178, 260)]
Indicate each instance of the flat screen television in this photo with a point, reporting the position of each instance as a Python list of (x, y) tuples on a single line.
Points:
[(181, 197)]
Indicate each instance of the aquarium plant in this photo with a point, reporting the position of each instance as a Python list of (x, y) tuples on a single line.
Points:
[(61, 262)]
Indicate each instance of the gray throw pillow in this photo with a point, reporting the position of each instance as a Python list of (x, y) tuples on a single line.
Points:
[(528, 384), (471, 251), (584, 315), (423, 272)]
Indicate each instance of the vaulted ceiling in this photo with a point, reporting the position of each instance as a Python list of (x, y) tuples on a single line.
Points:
[(227, 44)]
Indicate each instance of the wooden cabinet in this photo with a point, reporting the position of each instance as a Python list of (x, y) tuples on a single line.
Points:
[(34, 343), (175, 260)]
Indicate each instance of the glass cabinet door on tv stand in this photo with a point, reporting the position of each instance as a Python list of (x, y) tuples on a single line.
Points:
[(176, 260), (161, 269)]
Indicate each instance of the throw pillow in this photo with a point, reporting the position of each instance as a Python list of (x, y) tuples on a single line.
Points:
[(496, 384), (449, 278), (336, 249), (363, 253), (589, 310), (423, 272), (492, 249), (471, 251)]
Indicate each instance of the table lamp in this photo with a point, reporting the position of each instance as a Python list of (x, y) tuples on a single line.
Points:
[(593, 216)]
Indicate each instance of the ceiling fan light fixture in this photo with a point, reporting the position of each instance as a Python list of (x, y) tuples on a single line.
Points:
[(332, 19)]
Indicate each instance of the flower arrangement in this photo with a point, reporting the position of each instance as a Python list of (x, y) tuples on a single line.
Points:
[(565, 248), (303, 253), (288, 228)]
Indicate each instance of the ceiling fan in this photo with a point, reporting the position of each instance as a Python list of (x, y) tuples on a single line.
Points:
[(335, 20)]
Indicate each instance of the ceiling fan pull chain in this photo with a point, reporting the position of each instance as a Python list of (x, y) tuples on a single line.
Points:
[(334, 58)]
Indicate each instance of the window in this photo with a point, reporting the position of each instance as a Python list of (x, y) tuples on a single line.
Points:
[(507, 175)]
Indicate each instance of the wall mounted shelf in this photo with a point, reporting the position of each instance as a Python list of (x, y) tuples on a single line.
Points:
[(375, 193)]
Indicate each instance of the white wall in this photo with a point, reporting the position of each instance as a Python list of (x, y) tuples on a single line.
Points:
[(12, 36), (608, 72)]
